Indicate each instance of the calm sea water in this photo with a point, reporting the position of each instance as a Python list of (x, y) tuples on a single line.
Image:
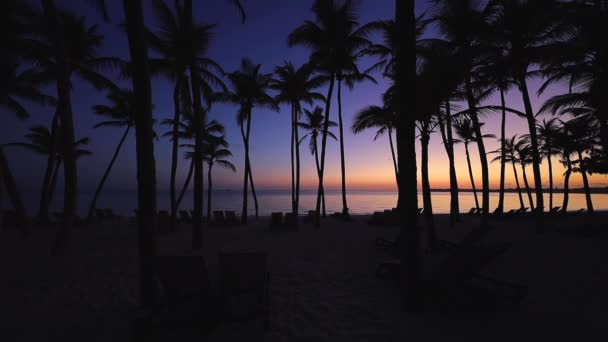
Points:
[(359, 201)]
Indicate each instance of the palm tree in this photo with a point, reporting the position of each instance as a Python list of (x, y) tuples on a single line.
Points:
[(426, 126), (314, 125), (547, 132), (175, 44), (465, 130), (565, 147), (216, 151), (296, 86), (249, 90), (583, 137), (522, 148), (335, 39), (381, 118), (510, 156), (120, 113)]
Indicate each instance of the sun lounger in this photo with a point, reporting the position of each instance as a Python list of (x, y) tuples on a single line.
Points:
[(472, 211), (291, 221), (230, 217), (218, 217), (276, 221), (310, 218), (185, 216)]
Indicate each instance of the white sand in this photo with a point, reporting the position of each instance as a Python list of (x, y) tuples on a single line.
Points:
[(323, 286)]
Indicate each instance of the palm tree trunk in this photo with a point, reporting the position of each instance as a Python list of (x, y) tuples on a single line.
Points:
[(426, 186), (174, 151), (503, 153), (485, 178), (43, 212), (390, 142), (209, 187), (293, 168), (318, 171), (585, 182), (64, 104), (106, 174), (146, 165), (342, 163), (521, 198), (445, 128), (528, 191), (567, 184), (405, 75), (53, 183), (198, 120), (186, 183), (550, 166), (296, 140), (255, 197), (6, 176), (538, 184), (245, 174), (323, 148), (466, 148)]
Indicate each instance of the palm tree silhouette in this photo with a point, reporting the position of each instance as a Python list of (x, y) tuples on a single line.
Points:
[(510, 156), (547, 133), (465, 130), (216, 152), (176, 45), (565, 147), (582, 133), (314, 125), (524, 156), (119, 113), (296, 86), (381, 118), (249, 90), (335, 39)]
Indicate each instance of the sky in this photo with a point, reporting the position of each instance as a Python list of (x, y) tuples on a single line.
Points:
[(263, 38)]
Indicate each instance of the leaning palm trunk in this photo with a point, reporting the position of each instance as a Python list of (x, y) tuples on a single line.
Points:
[(318, 170), (198, 120), (253, 193), (405, 74), (293, 167), (503, 153), (246, 170), (64, 108), (520, 196), (466, 148), (538, 185), (485, 178), (426, 187), (52, 186), (585, 182), (323, 148), (390, 142), (6, 177), (550, 166), (106, 174), (342, 163), (186, 183), (43, 212), (567, 185), (209, 189), (174, 151), (146, 165), (446, 137), (528, 191), (296, 139)]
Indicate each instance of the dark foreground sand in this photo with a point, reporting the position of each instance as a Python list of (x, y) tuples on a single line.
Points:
[(323, 286)]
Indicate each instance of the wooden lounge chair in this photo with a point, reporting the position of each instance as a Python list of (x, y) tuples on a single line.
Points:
[(310, 218), (244, 286), (231, 217), (218, 217), (420, 210), (472, 211), (185, 216), (378, 218), (276, 221), (291, 221)]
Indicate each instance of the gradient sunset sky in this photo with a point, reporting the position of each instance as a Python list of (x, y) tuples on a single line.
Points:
[(262, 38)]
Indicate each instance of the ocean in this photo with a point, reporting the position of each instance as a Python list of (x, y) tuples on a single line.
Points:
[(359, 201)]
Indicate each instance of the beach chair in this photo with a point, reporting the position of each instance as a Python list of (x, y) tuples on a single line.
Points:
[(185, 216), (420, 211), (378, 218), (218, 217), (554, 210), (231, 218), (163, 221), (472, 211), (291, 221), (276, 221), (100, 215), (310, 218), (244, 286)]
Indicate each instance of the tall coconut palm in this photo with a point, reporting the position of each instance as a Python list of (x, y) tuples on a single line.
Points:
[(426, 126), (313, 126), (175, 44), (335, 39), (524, 156), (381, 118), (582, 133), (296, 86), (249, 89), (565, 147), (510, 156), (547, 133), (216, 152), (119, 113), (465, 130)]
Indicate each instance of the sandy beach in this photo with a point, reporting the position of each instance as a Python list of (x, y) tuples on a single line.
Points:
[(323, 286)]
